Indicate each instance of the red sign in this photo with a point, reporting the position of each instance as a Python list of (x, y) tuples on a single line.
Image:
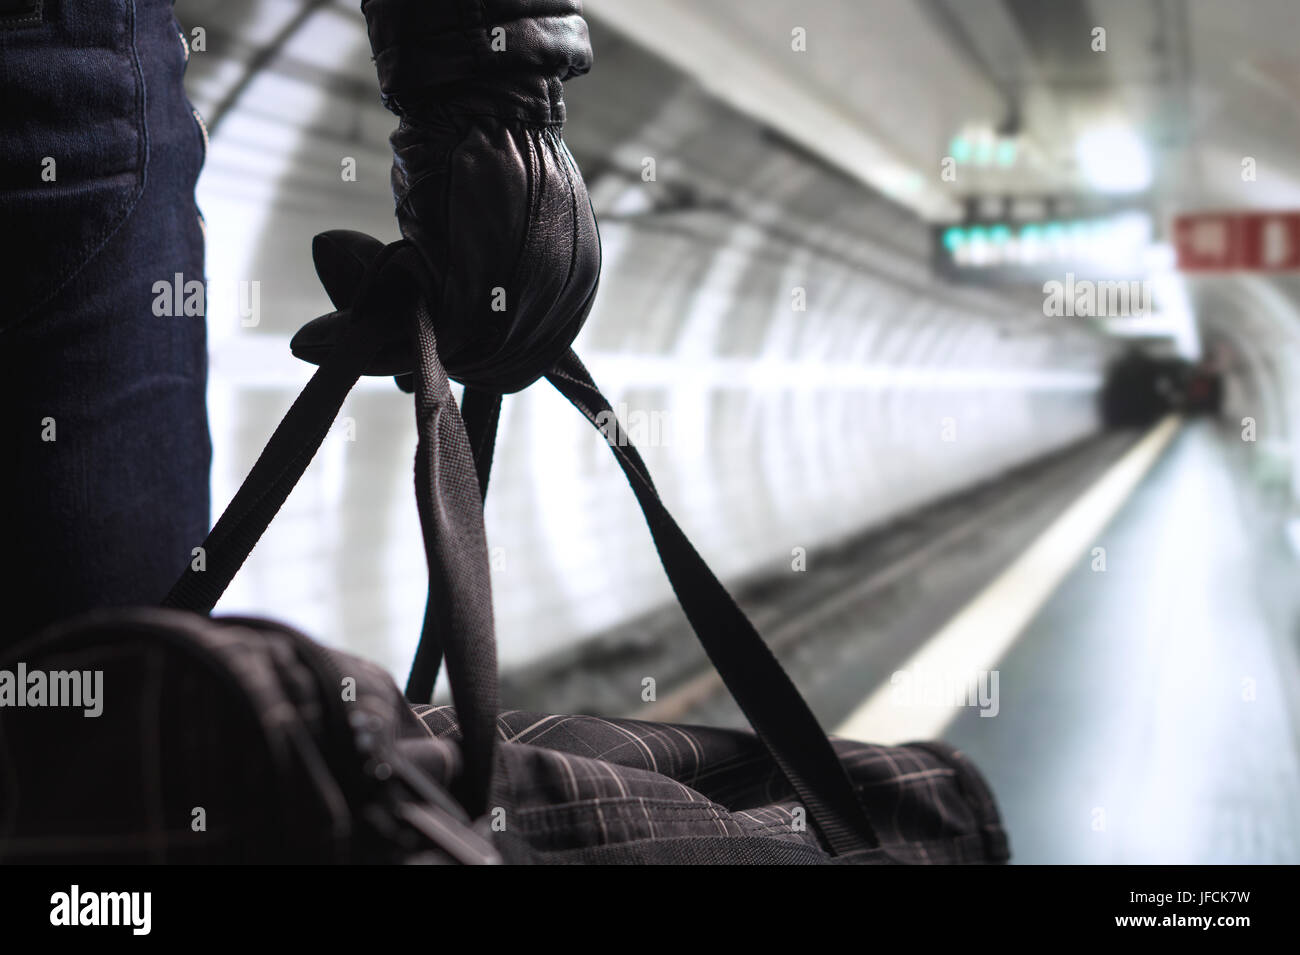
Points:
[(1237, 241)]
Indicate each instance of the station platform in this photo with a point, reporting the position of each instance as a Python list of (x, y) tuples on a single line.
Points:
[(1133, 598), (1149, 712)]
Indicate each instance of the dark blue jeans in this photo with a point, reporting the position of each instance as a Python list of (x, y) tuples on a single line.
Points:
[(104, 438)]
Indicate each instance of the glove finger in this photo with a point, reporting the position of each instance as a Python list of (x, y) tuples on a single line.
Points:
[(341, 257)]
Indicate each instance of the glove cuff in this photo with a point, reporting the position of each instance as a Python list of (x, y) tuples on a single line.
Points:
[(508, 58)]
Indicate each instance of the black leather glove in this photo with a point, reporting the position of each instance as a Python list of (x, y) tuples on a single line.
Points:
[(485, 187)]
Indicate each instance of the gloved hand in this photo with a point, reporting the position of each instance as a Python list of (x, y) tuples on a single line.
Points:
[(485, 187)]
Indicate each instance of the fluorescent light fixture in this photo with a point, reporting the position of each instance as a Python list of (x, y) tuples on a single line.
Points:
[(1113, 158), (1116, 245)]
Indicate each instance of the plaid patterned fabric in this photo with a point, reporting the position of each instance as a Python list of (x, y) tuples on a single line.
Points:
[(227, 715), (572, 784)]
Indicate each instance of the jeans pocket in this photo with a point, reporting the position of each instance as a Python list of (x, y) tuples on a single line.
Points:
[(75, 147), (21, 14)]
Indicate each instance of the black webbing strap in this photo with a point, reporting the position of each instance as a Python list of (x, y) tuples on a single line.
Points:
[(453, 461), (481, 411), (286, 456), (458, 613), (756, 679)]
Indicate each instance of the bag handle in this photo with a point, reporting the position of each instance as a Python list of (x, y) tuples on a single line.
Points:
[(759, 684), (481, 412), (458, 610), (453, 462)]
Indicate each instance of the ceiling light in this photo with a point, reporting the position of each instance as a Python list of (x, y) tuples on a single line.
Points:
[(1114, 159)]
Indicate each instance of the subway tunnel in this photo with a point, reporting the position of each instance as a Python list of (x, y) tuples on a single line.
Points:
[(865, 438), (960, 336)]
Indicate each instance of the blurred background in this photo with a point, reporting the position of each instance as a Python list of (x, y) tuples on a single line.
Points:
[(959, 335)]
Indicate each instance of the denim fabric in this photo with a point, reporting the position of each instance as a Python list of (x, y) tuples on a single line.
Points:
[(107, 512)]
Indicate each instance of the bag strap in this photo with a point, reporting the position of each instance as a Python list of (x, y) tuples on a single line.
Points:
[(458, 611), (453, 463), (757, 681), (279, 467), (458, 619), (481, 412)]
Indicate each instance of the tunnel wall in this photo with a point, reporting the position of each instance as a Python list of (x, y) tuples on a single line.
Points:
[(775, 330), (797, 374)]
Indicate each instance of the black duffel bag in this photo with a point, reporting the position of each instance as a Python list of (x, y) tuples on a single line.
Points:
[(235, 739)]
